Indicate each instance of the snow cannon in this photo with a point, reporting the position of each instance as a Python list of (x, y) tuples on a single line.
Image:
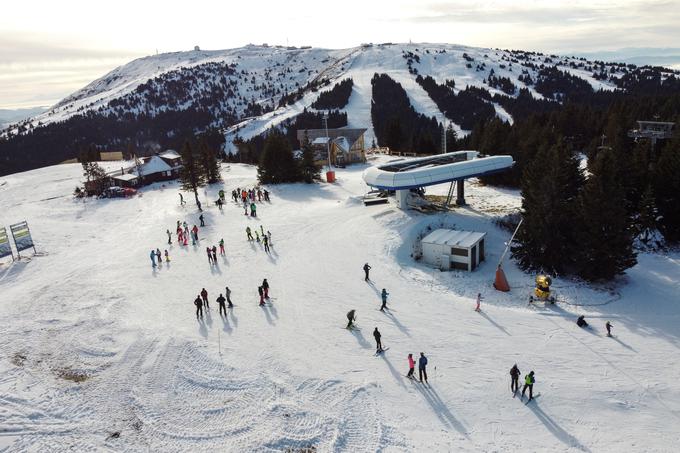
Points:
[(542, 289)]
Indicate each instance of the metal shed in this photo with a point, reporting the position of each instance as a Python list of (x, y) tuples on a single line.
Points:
[(453, 249)]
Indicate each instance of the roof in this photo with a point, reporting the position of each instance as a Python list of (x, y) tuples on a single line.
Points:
[(124, 177), (320, 141), (342, 143), (170, 154), (154, 165), (352, 135), (464, 239)]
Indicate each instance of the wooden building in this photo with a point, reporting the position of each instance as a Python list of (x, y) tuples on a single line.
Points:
[(347, 145)]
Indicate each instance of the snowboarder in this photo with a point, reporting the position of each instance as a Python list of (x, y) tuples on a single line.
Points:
[(167, 256), (378, 344), (169, 236), (514, 378), (181, 200), (199, 307), (158, 256), (220, 301), (411, 366), (384, 299), (366, 269), (228, 292), (422, 364), (479, 301), (260, 291), (265, 287), (214, 254), (221, 246), (609, 326), (204, 296), (529, 381), (152, 255), (581, 321), (209, 252), (351, 318), (250, 234), (200, 217), (265, 240), (253, 210)]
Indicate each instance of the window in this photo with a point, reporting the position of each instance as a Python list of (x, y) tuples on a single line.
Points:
[(460, 266), (459, 252), (481, 250)]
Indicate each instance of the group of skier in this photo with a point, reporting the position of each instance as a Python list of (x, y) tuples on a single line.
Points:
[(201, 302), (263, 291), (183, 233), (260, 237), (255, 194), (156, 257), (529, 381), (212, 252)]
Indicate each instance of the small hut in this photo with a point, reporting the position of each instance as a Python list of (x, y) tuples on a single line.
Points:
[(453, 249)]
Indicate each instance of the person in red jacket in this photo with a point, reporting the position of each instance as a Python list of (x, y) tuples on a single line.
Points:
[(411, 366)]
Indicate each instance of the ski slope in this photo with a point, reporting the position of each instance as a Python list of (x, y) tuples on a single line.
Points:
[(289, 375)]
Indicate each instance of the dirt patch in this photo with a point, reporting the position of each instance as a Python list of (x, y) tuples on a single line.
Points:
[(18, 359), (309, 449), (72, 375)]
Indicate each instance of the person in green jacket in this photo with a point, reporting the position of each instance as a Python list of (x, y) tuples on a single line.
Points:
[(529, 381)]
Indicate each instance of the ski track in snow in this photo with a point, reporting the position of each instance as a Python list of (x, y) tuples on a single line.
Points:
[(95, 342)]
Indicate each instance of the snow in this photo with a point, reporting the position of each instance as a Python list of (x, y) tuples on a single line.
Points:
[(289, 375)]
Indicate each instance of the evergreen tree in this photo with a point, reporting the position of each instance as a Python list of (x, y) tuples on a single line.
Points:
[(646, 225), (451, 138), (191, 176), (604, 233), (393, 135), (667, 188), (210, 167), (277, 164), (310, 171), (550, 187)]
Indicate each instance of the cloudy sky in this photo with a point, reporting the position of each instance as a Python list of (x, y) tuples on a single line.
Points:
[(51, 48)]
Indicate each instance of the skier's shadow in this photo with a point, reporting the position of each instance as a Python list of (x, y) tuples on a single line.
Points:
[(624, 344), (555, 429), (267, 315), (498, 326), (272, 308), (225, 261), (397, 376), (202, 329), (271, 257), (440, 409), (225, 324), (208, 318), (377, 291), (234, 319), (396, 322), (360, 338), (215, 269)]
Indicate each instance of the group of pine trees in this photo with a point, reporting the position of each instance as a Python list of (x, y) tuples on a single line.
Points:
[(200, 166), (278, 164)]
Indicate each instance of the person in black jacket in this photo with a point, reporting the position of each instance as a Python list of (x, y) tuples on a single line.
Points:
[(199, 306), (350, 319), (265, 288), (378, 343), (581, 321), (422, 364), (366, 269), (514, 376), (221, 300)]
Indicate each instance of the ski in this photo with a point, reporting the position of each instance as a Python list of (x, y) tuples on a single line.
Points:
[(534, 397), (380, 352)]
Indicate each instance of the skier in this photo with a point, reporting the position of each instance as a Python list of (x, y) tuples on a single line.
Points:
[(219, 203), (411, 366), (221, 300), (257, 236), (204, 296), (181, 200), (228, 292), (152, 255), (378, 344), (269, 236), (479, 301), (200, 217), (249, 233), (514, 376), (199, 307), (581, 321), (265, 288), (422, 364), (199, 205), (384, 299), (259, 195), (351, 318), (261, 230), (158, 257), (195, 231), (253, 210), (167, 256), (209, 252), (221, 194), (214, 254), (366, 269), (266, 195), (169, 236), (260, 291), (529, 381), (245, 208), (609, 326), (221, 246), (265, 240)]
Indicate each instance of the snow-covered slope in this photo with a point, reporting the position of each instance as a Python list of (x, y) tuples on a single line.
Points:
[(289, 376)]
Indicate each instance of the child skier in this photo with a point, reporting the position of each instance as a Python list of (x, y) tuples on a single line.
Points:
[(479, 301), (221, 246), (609, 326), (411, 366), (167, 256), (514, 378)]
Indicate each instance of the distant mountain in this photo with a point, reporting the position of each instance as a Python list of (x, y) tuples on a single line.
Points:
[(8, 116), (163, 99), (640, 56)]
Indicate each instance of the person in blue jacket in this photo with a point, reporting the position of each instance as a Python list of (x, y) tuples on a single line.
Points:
[(422, 363), (384, 299), (152, 255)]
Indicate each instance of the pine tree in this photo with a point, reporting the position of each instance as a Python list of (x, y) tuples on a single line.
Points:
[(277, 164), (451, 138), (667, 188), (191, 176), (646, 225), (209, 164), (310, 171), (550, 187), (604, 232)]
